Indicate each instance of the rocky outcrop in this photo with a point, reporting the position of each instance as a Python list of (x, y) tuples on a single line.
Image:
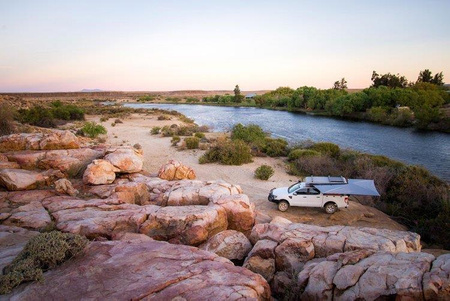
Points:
[(436, 282), (126, 160), (133, 270), (174, 170), (230, 244), (31, 216), (19, 179), (261, 259), (132, 193), (189, 225), (240, 211), (37, 141), (100, 172)]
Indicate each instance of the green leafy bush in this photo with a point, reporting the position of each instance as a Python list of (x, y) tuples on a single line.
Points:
[(302, 153), (234, 152), (155, 130), (6, 119), (42, 252), (199, 135), (327, 148), (275, 147), (38, 116), (264, 172), (92, 129), (192, 142), (252, 134), (164, 117), (175, 140)]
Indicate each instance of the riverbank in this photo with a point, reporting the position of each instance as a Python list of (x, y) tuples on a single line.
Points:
[(135, 129)]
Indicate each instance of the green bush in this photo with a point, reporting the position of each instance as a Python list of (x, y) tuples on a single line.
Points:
[(199, 135), (275, 147), (155, 130), (252, 134), (327, 148), (175, 140), (92, 129), (192, 142), (6, 119), (264, 172), (164, 117), (234, 152), (302, 153), (38, 116), (42, 252)]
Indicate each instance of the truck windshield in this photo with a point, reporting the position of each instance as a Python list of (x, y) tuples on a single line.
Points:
[(294, 187)]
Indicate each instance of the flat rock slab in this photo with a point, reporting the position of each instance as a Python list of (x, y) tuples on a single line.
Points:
[(56, 139), (152, 270)]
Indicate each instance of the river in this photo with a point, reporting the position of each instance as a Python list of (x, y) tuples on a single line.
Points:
[(428, 149)]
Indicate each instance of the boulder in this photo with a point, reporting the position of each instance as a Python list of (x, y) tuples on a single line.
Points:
[(100, 172), (151, 270), (126, 160), (436, 282), (261, 259), (19, 198), (240, 211), (19, 179), (292, 254), (64, 186), (174, 170), (230, 244), (12, 241), (56, 139), (189, 225), (133, 193)]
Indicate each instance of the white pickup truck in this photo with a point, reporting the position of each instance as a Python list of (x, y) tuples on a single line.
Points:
[(329, 193)]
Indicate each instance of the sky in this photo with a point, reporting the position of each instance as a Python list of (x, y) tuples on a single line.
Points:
[(52, 46)]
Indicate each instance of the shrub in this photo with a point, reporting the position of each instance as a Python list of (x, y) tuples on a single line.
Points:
[(38, 116), (167, 131), (264, 172), (199, 135), (302, 153), (175, 140), (327, 148), (118, 121), (252, 134), (192, 142), (164, 117), (275, 147), (92, 129), (6, 119), (155, 130), (234, 152), (104, 118), (41, 253)]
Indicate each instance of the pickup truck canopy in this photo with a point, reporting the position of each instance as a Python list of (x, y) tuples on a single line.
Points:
[(354, 187)]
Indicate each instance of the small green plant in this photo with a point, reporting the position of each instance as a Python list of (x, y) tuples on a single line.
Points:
[(155, 130), (199, 135), (104, 118), (6, 119), (175, 140), (302, 153), (42, 252), (264, 172), (118, 121), (113, 124), (275, 147), (228, 152), (164, 117), (192, 142), (327, 148), (92, 129)]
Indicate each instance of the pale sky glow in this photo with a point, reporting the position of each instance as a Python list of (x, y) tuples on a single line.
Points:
[(211, 45)]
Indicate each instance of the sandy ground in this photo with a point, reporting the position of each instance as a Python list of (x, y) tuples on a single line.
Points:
[(158, 150)]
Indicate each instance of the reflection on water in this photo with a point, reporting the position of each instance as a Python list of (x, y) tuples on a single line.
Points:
[(428, 149)]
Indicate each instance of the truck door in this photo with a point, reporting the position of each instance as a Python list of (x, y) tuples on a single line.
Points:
[(307, 197)]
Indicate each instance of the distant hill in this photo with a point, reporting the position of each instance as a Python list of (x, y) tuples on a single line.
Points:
[(91, 90)]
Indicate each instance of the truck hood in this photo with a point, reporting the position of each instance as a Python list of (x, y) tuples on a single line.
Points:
[(280, 192)]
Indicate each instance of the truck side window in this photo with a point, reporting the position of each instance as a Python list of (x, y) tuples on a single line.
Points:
[(313, 191), (302, 191)]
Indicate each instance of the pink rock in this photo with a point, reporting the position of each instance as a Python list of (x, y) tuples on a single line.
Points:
[(127, 160), (153, 270), (174, 170), (56, 139), (292, 254), (100, 172), (31, 216), (190, 225), (59, 140), (240, 211), (230, 244), (132, 193), (19, 179), (12, 241), (436, 282)]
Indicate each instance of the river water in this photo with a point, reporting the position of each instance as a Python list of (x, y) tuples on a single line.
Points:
[(428, 149)]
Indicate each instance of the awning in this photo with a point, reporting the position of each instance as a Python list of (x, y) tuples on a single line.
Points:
[(354, 187)]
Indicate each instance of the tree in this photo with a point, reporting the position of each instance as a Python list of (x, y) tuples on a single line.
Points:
[(237, 94), (340, 85), (389, 80), (426, 76)]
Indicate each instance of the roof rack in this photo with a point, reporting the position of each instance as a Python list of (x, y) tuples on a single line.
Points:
[(328, 180)]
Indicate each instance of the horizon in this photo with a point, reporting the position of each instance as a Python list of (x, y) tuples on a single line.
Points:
[(148, 46)]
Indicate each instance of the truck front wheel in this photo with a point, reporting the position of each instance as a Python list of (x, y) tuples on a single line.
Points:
[(330, 208), (283, 206)]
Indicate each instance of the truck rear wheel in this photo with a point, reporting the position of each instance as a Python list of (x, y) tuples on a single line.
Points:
[(283, 206), (330, 208)]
